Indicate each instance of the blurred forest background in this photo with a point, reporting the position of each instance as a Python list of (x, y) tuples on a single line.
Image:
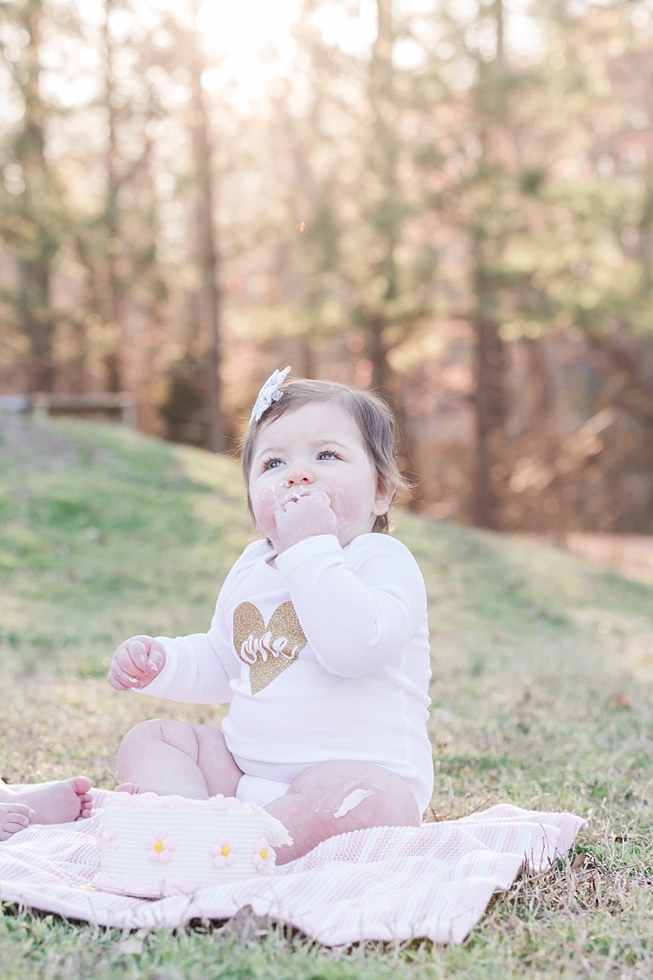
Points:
[(449, 201)]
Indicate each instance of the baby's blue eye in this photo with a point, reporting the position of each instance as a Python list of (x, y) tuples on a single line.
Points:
[(326, 453), (272, 464)]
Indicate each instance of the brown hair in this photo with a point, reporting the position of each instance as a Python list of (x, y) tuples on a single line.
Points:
[(373, 417)]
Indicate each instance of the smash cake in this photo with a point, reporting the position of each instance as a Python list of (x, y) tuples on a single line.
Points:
[(154, 846)]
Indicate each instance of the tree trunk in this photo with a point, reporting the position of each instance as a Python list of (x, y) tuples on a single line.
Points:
[(37, 321), (383, 162), (113, 359), (378, 353), (489, 354), (489, 369), (35, 256), (208, 253)]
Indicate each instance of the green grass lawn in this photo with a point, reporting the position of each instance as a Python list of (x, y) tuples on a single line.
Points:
[(542, 684)]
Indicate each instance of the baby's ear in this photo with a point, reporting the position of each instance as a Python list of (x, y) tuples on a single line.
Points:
[(384, 497)]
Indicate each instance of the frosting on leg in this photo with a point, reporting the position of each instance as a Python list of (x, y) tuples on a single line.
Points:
[(336, 797)]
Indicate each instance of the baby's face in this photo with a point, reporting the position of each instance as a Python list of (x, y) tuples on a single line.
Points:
[(317, 449)]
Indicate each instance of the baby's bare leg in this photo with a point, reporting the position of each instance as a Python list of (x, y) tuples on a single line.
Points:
[(57, 802), (169, 757), (336, 797), (14, 817)]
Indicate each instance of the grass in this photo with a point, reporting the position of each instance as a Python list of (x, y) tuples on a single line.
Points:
[(542, 683)]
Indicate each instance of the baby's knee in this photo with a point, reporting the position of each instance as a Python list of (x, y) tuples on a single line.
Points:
[(351, 795), (378, 799), (166, 730), (133, 743), (141, 732)]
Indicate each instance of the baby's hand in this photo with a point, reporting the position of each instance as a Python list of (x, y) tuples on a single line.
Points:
[(136, 663), (304, 516)]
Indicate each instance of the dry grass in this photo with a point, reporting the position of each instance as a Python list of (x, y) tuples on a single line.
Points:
[(543, 675)]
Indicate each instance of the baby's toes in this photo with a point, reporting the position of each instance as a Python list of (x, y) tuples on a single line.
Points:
[(16, 821), (86, 806), (16, 818), (19, 809), (81, 785)]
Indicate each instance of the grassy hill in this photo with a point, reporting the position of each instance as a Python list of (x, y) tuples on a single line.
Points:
[(542, 683)]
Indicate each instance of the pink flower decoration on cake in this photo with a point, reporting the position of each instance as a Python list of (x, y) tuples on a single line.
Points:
[(263, 857), (109, 840), (224, 852), (161, 844)]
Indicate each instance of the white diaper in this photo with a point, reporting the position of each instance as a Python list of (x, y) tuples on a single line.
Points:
[(257, 789)]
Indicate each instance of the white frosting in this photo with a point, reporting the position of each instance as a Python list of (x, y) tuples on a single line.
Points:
[(152, 801), (352, 801)]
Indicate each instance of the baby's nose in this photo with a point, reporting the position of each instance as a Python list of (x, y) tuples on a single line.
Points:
[(299, 474)]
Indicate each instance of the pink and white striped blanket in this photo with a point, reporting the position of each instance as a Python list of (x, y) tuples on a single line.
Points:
[(388, 884)]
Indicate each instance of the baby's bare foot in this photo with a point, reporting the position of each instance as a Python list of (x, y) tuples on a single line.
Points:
[(58, 802), (14, 817), (128, 788)]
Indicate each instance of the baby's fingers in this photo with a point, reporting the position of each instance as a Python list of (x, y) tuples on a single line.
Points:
[(156, 660), (320, 497), (133, 655), (124, 673), (135, 663), (120, 679)]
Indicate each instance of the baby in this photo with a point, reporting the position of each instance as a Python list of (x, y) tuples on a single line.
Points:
[(319, 640), (57, 802)]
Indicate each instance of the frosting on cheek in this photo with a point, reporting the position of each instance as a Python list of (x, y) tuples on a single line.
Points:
[(275, 494), (265, 502), (263, 506)]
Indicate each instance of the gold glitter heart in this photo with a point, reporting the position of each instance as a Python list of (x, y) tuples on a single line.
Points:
[(267, 650)]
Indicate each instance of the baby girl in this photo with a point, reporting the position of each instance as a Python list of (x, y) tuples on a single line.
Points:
[(319, 640), (57, 802)]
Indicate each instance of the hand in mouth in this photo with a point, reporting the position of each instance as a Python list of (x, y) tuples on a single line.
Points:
[(294, 495)]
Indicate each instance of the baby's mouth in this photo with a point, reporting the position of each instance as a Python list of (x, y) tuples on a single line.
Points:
[(293, 496)]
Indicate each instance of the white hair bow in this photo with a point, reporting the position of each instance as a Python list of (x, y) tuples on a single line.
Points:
[(270, 392)]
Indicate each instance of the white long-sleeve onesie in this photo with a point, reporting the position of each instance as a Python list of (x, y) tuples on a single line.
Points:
[(323, 658)]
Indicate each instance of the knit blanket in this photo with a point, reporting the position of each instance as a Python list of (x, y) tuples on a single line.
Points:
[(387, 883)]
